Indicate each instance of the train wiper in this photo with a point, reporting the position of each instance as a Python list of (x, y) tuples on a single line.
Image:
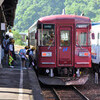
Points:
[(79, 45), (51, 44)]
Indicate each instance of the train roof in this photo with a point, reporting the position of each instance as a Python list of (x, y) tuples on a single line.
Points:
[(95, 23), (96, 28), (60, 17), (53, 18)]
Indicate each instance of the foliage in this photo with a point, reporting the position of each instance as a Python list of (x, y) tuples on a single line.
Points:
[(90, 8), (17, 38), (28, 11)]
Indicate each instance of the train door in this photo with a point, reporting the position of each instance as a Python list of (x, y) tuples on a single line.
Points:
[(64, 46)]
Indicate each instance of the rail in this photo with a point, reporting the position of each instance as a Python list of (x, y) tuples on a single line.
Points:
[(56, 94), (82, 95)]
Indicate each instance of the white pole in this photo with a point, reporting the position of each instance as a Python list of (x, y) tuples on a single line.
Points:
[(51, 73), (96, 77), (63, 12)]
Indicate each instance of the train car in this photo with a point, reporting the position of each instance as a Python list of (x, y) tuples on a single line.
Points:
[(95, 46), (63, 51)]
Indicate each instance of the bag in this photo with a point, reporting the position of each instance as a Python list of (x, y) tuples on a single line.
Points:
[(21, 52), (7, 48)]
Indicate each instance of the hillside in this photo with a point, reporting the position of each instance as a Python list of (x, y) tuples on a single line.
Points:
[(28, 11)]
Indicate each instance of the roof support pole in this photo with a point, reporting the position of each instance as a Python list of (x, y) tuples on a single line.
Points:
[(2, 31), (0, 36), (1, 1)]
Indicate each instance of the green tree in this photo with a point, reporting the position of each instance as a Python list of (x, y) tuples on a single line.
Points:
[(28, 11), (17, 38), (90, 8)]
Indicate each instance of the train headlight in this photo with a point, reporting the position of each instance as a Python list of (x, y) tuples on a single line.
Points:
[(46, 54), (83, 54), (47, 70)]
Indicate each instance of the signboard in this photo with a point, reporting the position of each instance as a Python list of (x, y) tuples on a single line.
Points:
[(3, 26), (48, 26)]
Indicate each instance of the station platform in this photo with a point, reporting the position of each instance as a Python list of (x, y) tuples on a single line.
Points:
[(19, 84)]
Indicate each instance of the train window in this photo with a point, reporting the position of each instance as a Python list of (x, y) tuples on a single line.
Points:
[(89, 41), (46, 35), (93, 36), (39, 36), (81, 38), (64, 38)]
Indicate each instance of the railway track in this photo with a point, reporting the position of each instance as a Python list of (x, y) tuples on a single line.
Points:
[(62, 93), (50, 93), (81, 94)]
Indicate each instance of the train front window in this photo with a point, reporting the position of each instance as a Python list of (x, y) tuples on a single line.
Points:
[(48, 35), (64, 38), (82, 35), (81, 38)]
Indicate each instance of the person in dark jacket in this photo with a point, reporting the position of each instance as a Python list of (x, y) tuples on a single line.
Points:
[(31, 57)]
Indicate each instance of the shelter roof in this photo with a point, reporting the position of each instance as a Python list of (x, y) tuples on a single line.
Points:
[(9, 7)]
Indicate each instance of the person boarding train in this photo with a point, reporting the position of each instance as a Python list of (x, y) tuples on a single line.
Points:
[(31, 56), (24, 57)]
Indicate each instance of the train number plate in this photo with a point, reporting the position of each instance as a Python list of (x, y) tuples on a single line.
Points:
[(46, 54)]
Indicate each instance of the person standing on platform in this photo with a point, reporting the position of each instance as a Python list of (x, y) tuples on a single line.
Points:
[(23, 57), (6, 47), (11, 53), (10, 33)]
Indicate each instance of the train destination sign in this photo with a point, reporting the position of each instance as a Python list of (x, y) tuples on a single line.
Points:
[(81, 25), (48, 26)]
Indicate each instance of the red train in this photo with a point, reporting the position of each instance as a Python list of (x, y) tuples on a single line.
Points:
[(63, 51)]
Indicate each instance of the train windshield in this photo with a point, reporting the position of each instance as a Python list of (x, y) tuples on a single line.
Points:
[(82, 37), (47, 35)]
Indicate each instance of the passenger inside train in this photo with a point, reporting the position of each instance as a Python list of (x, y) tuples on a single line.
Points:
[(48, 39)]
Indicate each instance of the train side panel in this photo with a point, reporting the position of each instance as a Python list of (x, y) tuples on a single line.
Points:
[(95, 44)]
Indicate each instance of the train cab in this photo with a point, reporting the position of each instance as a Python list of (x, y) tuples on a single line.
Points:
[(63, 47)]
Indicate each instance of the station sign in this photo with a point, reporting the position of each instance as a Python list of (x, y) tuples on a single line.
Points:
[(3, 26)]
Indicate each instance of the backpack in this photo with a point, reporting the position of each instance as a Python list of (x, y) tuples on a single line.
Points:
[(28, 51), (21, 52), (7, 48)]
